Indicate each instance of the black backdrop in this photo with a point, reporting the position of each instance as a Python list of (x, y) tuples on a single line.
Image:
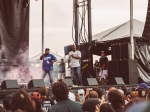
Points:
[(14, 31)]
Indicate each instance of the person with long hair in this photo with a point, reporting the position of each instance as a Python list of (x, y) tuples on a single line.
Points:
[(116, 99), (22, 101)]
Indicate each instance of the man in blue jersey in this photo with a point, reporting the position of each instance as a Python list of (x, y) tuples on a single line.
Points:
[(48, 60)]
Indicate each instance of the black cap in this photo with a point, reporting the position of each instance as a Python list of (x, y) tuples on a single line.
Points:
[(46, 49)]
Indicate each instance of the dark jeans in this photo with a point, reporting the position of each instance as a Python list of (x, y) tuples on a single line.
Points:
[(76, 71)]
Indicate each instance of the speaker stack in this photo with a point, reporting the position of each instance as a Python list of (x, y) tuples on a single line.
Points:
[(121, 65)]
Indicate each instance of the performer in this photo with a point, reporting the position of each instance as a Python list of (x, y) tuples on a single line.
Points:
[(62, 69), (103, 68), (73, 63), (48, 60), (103, 75), (103, 60)]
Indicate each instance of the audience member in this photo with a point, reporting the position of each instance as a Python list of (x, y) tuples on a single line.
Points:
[(116, 99), (142, 90), (132, 103), (60, 90), (43, 92), (38, 105), (99, 91), (106, 108), (137, 106), (91, 105), (81, 94), (121, 91), (148, 95), (22, 101), (6, 103), (71, 96), (93, 94), (112, 88), (36, 95), (77, 97), (124, 88)]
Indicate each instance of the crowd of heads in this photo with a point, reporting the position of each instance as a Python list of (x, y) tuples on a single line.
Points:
[(113, 99)]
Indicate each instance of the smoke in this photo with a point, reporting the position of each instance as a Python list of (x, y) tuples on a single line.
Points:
[(22, 70)]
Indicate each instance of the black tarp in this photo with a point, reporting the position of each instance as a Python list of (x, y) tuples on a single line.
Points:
[(14, 30)]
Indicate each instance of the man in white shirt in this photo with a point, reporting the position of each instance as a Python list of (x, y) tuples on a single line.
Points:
[(74, 63)]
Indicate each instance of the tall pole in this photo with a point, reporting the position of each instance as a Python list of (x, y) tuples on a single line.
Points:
[(42, 26), (76, 22), (90, 36), (131, 29)]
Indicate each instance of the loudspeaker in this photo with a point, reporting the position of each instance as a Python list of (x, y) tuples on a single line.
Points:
[(9, 84), (90, 82), (112, 69), (68, 82), (116, 81), (36, 83), (127, 69), (112, 65), (126, 51), (116, 52), (67, 49)]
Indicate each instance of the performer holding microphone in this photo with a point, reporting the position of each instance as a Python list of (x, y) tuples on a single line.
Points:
[(47, 66), (74, 63)]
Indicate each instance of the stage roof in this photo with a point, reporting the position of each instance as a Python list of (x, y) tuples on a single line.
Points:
[(120, 31)]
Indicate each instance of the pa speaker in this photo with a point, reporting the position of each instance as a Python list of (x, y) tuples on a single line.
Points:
[(126, 51), (36, 83), (9, 84), (90, 82), (116, 52), (116, 81), (127, 69), (112, 69), (67, 49), (68, 82)]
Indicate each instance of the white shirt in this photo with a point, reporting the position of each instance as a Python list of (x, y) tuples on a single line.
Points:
[(103, 74), (73, 61)]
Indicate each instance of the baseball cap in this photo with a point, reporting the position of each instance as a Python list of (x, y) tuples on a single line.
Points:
[(46, 48), (80, 91), (143, 85), (89, 104)]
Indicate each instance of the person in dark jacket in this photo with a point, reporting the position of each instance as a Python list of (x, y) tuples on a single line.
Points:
[(103, 60), (61, 92)]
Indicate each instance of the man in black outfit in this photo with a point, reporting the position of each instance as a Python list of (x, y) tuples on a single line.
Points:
[(103, 60)]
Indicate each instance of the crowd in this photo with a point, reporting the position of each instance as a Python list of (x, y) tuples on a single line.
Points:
[(94, 99)]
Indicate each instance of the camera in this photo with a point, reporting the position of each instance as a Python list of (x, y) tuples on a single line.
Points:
[(142, 92)]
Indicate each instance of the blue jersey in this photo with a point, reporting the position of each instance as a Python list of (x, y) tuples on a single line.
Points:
[(47, 60)]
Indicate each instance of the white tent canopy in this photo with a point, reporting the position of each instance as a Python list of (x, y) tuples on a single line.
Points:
[(121, 31)]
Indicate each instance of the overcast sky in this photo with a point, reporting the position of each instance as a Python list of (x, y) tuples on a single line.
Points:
[(59, 16)]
